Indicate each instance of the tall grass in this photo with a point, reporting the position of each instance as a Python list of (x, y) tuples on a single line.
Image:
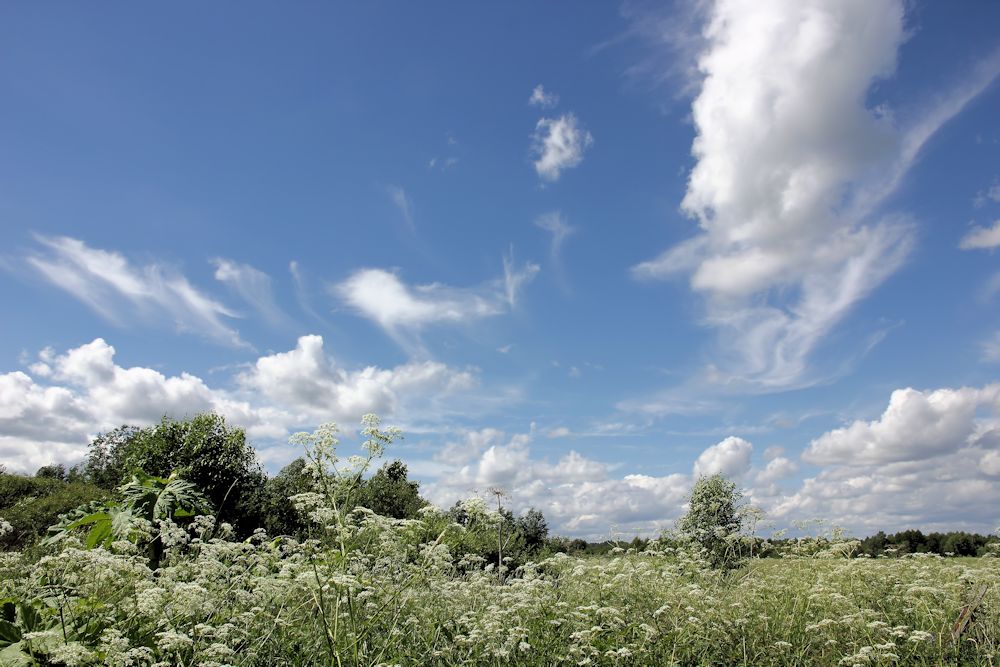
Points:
[(368, 590)]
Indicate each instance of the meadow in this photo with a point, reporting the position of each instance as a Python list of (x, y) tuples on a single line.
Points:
[(399, 599), (149, 582)]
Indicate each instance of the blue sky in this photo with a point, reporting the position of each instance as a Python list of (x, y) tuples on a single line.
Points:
[(582, 251)]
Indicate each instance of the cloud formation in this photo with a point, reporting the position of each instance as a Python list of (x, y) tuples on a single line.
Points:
[(541, 98), (730, 458), (930, 462), (403, 203), (122, 293), (578, 495), (915, 425), (308, 382), (981, 238), (403, 310), (555, 223), (791, 164), (559, 144), (253, 286), (50, 415)]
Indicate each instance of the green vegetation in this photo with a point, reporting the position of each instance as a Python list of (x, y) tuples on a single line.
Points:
[(143, 576)]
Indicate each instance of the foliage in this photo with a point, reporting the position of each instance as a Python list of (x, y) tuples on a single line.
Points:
[(203, 450), (147, 503), (534, 529), (105, 465), (31, 504), (714, 520), (277, 509), (388, 492), (957, 543), (365, 589), (397, 596)]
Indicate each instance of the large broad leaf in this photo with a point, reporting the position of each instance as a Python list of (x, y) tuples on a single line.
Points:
[(9, 634), (88, 520), (8, 611), (15, 656), (31, 620), (100, 535)]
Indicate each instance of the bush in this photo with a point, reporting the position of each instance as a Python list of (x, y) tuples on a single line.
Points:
[(32, 504), (204, 450), (714, 520)]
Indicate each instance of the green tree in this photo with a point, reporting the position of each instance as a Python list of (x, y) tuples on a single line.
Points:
[(714, 520), (203, 450), (534, 529), (388, 492), (105, 465), (278, 511)]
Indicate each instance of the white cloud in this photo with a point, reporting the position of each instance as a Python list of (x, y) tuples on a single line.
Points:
[(402, 201), (991, 194), (123, 293), (399, 309), (777, 469), (555, 224), (559, 144), (252, 285), (928, 462), (773, 452), (307, 382), (301, 292), (790, 166), (990, 463), (514, 278), (578, 495), (75, 395), (730, 458), (86, 392), (981, 238), (540, 98), (915, 425)]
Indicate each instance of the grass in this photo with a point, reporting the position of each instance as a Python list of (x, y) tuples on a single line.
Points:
[(400, 599)]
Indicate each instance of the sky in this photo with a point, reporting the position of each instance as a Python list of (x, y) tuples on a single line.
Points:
[(583, 252)]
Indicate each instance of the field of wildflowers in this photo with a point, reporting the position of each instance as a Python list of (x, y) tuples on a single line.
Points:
[(368, 590)]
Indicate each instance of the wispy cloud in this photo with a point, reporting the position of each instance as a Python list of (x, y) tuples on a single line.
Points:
[(403, 310), (301, 291), (122, 293), (791, 170), (403, 203), (253, 285), (990, 194), (515, 277), (559, 144), (981, 238), (555, 224), (541, 98)]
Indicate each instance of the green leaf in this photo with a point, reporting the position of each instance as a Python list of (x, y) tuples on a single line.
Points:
[(99, 535), (31, 620), (15, 656), (88, 520), (8, 612), (9, 634)]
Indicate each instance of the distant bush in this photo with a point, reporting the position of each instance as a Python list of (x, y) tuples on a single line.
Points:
[(32, 504)]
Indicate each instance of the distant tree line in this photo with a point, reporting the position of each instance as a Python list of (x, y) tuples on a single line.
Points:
[(216, 458)]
